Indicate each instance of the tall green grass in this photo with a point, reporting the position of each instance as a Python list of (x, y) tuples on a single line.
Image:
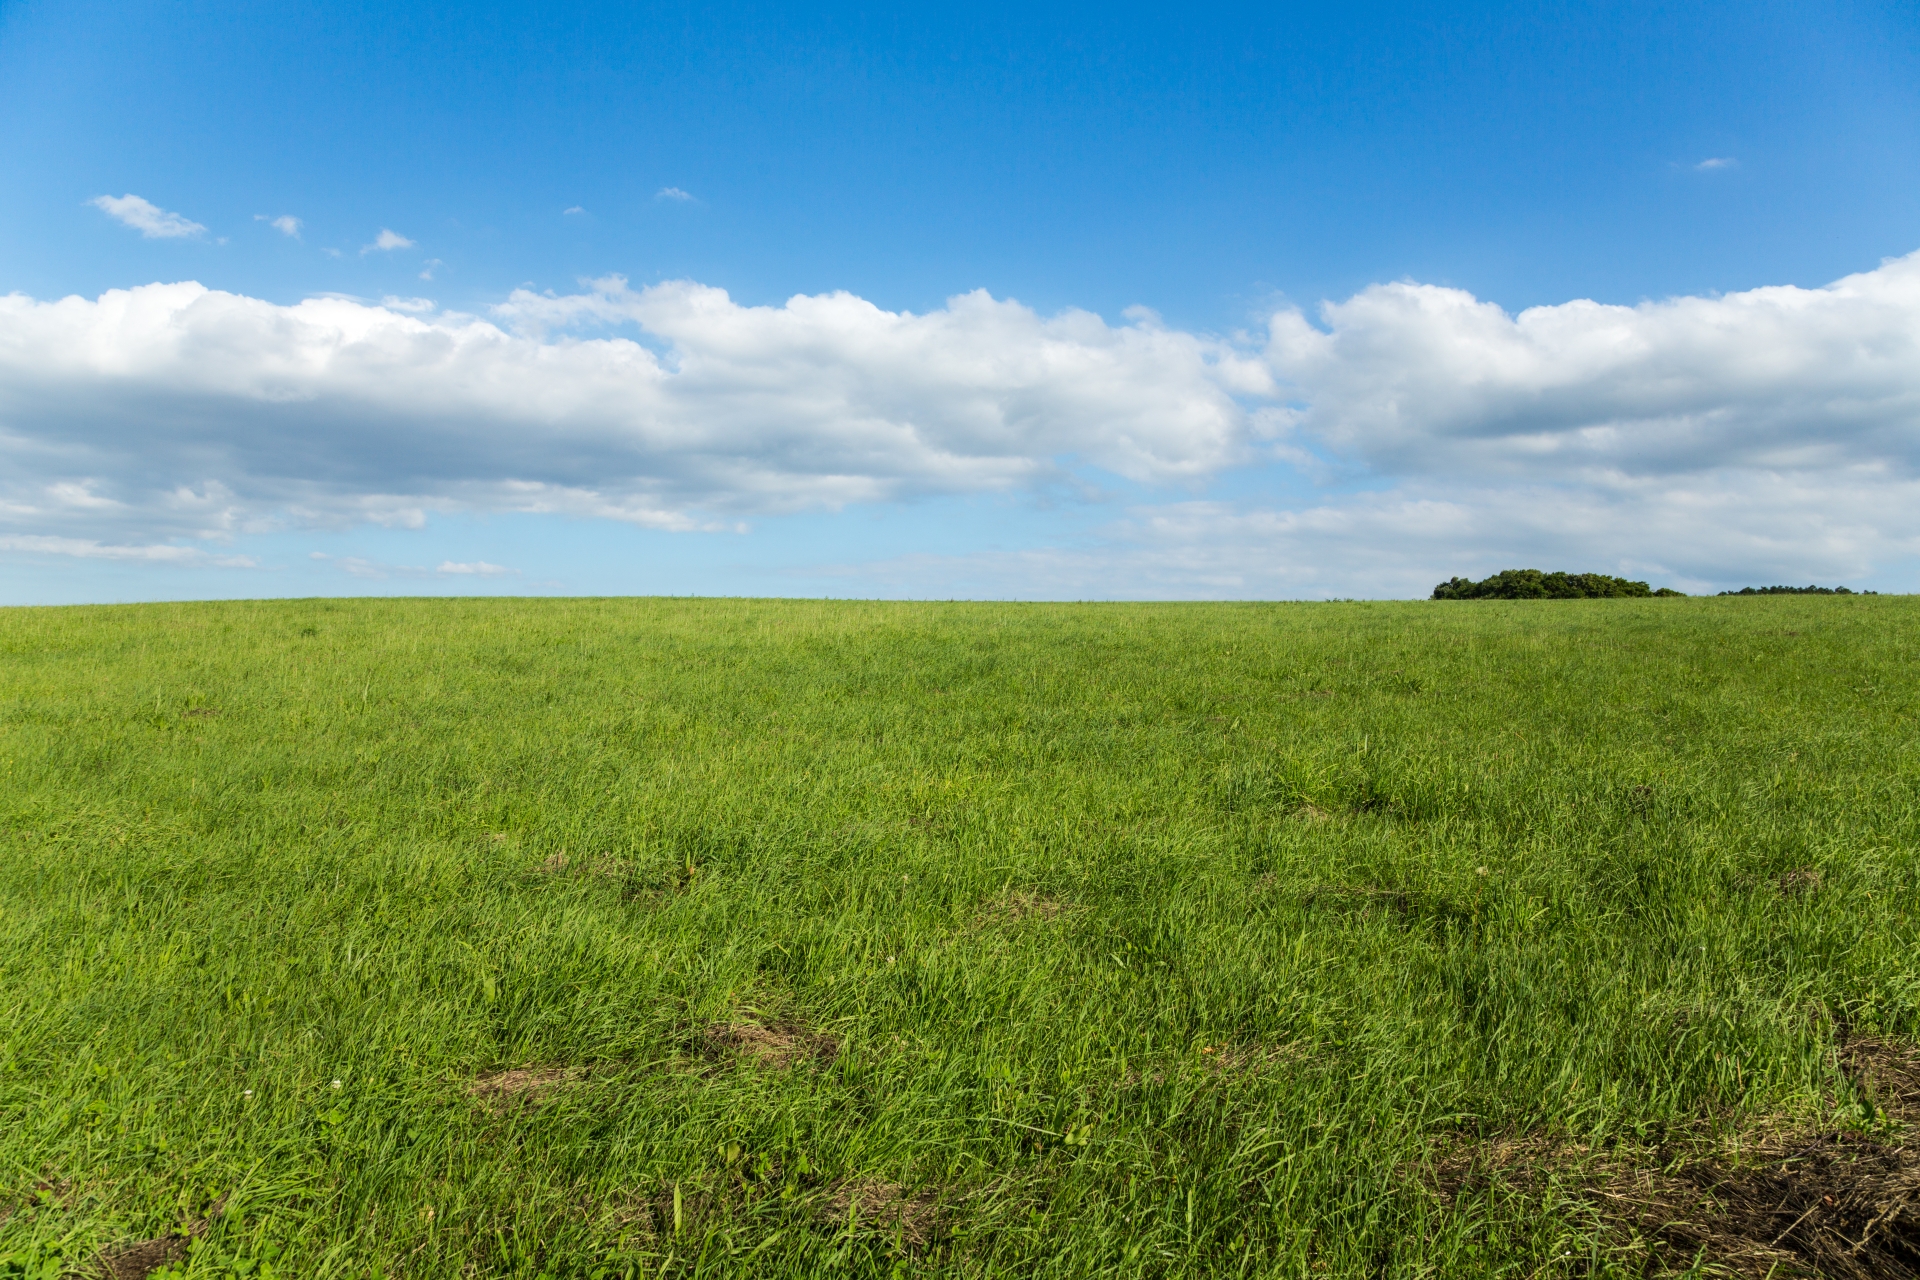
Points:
[(1155, 940)]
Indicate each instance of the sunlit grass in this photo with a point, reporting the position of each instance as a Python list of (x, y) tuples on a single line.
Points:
[(874, 939)]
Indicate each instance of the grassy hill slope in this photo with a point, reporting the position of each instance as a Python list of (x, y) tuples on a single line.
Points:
[(654, 937)]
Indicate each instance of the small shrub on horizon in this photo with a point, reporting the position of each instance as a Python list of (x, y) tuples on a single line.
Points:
[(1532, 584)]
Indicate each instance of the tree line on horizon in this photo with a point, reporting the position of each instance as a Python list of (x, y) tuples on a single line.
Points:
[(1533, 584)]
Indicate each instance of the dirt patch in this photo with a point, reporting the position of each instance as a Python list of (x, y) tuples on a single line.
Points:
[(140, 1259), (1887, 1073), (1777, 1204), (778, 1045), (1801, 883), (199, 713), (518, 1082), (916, 1216)]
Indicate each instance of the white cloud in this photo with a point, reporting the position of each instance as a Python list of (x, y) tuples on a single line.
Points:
[(1772, 434), (672, 193), (333, 411), (148, 219), (412, 306), (286, 224), (480, 567), (92, 549), (1716, 162), (432, 264), (572, 210), (1413, 379), (387, 240)]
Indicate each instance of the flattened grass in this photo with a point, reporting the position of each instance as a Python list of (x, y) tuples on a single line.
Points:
[(649, 937)]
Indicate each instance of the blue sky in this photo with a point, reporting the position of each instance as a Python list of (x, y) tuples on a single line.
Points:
[(1431, 171)]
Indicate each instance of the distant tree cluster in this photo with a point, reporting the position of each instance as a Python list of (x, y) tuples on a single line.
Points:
[(1797, 591), (1532, 584)]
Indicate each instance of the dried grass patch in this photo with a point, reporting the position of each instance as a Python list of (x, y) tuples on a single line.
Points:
[(1236, 1059), (916, 1215), (777, 1045), (605, 866), (1024, 904), (518, 1083)]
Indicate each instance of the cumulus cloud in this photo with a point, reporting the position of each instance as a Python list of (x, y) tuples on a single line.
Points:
[(286, 224), (335, 411), (150, 220), (672, 193), (387, 240), (1414, 379), (1774, 432)]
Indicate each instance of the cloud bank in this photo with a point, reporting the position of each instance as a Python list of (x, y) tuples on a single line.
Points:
[(1774, 432)]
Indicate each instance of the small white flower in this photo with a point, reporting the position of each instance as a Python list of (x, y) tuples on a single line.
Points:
[(336, 1084), (246, 1093)]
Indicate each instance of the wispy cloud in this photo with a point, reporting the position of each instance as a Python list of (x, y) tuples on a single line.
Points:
[(149, 219), (672, 193), (429, 267), (387, 240), (1716, 162), (571, 210), (286, 224), (361, 567), (93, 549), (412, 306)]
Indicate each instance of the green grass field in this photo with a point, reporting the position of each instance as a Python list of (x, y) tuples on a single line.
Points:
[(596, 938)]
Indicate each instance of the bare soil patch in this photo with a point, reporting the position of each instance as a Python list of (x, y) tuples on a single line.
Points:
[(1887, 1072), (138, 1259), (141, 1258), (1803, 882), (1773, 1205)]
